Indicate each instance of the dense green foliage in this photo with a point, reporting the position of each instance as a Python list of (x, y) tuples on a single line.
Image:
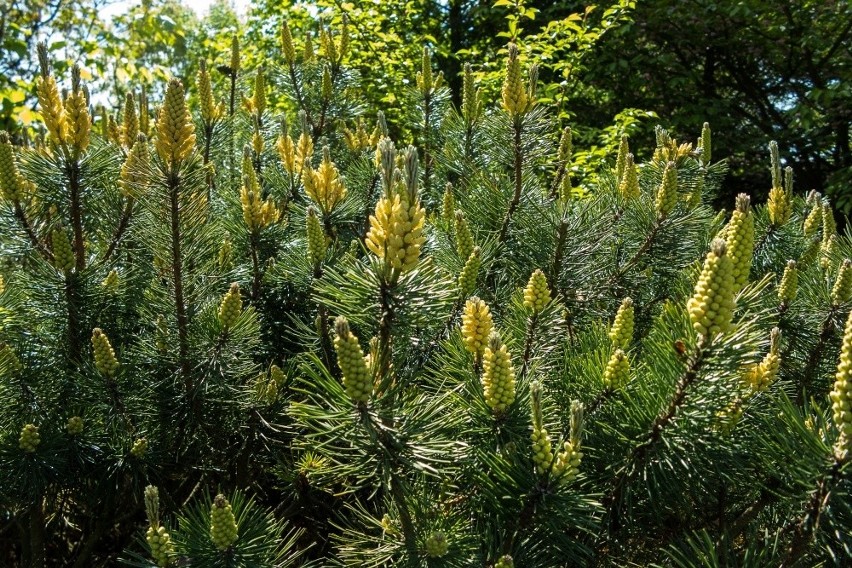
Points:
[(756, 70), (245, 321)]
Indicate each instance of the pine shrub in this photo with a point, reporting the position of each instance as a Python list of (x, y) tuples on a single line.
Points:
[(235, 334)]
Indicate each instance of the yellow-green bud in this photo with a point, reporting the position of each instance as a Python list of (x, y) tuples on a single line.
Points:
[(258, 101), (567, 464), (505, 561), (711, 306), (134, 178), (789, 286), (287, 47), (515, 97), (308, 50), (324, 185), (759, 377), (775, 160), (143, 113), (740, 240), (537, 293), (780, 204), (162, 548), (235, 55), (388, 525), (357, 379), (327, 85), (210, 110), (175, 129), (231, 307), (617, 371), (621, 332), (542, 452), (225, 255), (110, 283), (152, 505), (693, 200), (223, 524), (327, 45), (139, 448), (565, 146), (470, 272), (105, 360), (79, 122), (471, 99), (317, 242), (667, 193), (841, 397), (629, 185), (63, 254), (266, 389), (841, 292), (74, 426), (437, 545), (130, 122), (396, 232), (9, 361), (50, 102), (704, 143), (277, 375), (29, 439), (464, 239), (498, 375), (11, 183), (448, 210), (621, 159), (728, 418), (828, 253), (476, 325), (814, 219), (424, 76)]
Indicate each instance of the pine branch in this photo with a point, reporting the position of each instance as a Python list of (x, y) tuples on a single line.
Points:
[(300, 99), (758, 246), (123, 223), (599, 401), (815, 356), (809, 522), (744, 518), (557, 180), (21, 215), (73, 318), (561, 236), (323, 329), (518, 154), (528, 344), (639, 455), (208, 140), (255, 267), (398, 494), (177, 274), (371, 190), (522, 522), (231, 110), (643, 248), (72, 169), (427, 143), (384, 351), (37, 532)]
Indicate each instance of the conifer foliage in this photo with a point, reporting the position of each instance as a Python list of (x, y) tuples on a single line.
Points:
[(236, 335)]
